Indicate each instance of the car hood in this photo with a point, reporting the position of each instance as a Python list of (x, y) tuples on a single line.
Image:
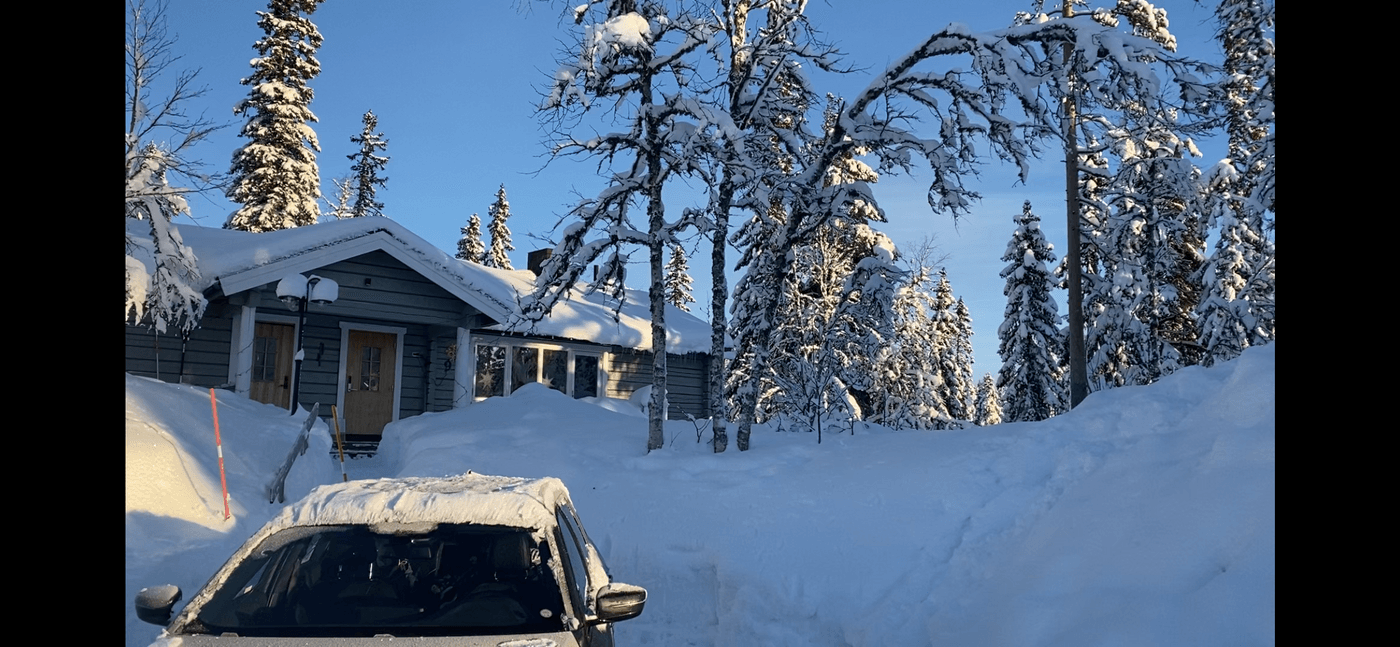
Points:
[(563, 639)]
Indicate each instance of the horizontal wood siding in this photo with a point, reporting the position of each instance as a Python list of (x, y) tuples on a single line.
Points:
[(686, 381), (320, 370), (440, 374), (158, 356), (395, 292)]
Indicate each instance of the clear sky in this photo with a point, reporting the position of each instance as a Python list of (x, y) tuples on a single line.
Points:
[(455, 85)]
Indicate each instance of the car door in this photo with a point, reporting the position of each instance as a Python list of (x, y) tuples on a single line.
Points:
[(576, 570)]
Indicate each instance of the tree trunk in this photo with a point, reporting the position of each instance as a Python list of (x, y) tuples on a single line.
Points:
[(656, 223), (1074, 347)]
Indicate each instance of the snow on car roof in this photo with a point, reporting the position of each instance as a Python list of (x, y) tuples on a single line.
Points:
[(467, 498)]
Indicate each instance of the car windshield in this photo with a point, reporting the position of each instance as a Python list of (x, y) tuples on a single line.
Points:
[(443, 580)]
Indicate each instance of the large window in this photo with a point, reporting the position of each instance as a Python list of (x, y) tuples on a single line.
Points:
[(565, 370)]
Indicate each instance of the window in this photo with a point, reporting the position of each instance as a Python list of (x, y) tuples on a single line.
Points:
[(563, 369), (574, 558), (264, 359), (554, 373), (355, 581), (585, 376), (490, 371), (524, 369), (369, 369)]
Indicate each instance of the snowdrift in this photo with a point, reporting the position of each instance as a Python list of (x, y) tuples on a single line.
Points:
[(1144, 517)]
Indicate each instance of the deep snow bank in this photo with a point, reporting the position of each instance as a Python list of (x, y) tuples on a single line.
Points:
[(175, 527), (1144, 517)]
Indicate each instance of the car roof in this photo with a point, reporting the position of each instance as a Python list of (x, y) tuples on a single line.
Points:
[(466, 498)]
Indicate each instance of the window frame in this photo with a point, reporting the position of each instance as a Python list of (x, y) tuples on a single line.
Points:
[(511, 346)]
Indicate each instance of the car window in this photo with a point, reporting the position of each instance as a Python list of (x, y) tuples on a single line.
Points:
[(574, 553), (452, 579)]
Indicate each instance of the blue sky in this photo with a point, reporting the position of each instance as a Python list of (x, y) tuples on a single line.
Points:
[(455, 86)]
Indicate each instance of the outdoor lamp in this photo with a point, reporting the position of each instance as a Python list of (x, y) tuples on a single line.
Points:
[(296, 290)]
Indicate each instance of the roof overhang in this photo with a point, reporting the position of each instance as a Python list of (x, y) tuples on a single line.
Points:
[(312, 259)]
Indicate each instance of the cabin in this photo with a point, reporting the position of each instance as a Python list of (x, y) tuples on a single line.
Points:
[(391, 327)]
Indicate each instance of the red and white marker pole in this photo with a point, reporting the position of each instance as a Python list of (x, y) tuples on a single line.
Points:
[(223, 482)]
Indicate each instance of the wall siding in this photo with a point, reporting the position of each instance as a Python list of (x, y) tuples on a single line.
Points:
[(686, 382)]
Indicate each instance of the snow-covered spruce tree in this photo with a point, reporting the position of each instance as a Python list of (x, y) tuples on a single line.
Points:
[(906, 371), (367, 165), (160, 270), (952, 331), (1223, 315), (1153, 254), (1001, 68), (836, 317), (678, 280), (470, 247), (1084, 110), (988, 402), (497, 253), (1245, 33), (963, 352), (1030, 381), (275, 176), (831, 328)]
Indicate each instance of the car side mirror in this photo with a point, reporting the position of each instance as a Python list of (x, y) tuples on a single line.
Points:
[(618, 602), (154, 603)]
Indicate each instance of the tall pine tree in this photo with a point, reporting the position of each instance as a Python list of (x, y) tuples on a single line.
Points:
[(678, 280), (496, 256), (470, 247), (1031, 379), (988, 402), (954, 368), (1246, 30), (905, 393), (275, 176), (367, 165)]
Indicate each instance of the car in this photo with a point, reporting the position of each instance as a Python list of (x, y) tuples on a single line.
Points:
[(465, 560)]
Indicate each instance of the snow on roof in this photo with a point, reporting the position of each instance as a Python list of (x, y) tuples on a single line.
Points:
[(467, 498), (239, 260)]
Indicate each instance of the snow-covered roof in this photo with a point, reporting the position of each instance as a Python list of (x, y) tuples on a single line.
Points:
[(467, 498), (238, 261)]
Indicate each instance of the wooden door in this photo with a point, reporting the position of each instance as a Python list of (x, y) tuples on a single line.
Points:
[(369, 382), (272, 363)]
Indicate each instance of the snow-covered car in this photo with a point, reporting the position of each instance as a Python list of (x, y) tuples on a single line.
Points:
[(465, 560)]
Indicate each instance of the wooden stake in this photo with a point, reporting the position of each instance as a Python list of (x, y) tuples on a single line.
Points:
[(219, 443), (335, 419)]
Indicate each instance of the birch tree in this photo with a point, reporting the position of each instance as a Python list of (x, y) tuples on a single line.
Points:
[(160, 270), (635, 59)]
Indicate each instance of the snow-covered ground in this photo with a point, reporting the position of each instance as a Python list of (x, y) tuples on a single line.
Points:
[(1144, 517)]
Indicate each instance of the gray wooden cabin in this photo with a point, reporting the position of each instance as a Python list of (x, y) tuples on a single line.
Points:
[(389, 345)]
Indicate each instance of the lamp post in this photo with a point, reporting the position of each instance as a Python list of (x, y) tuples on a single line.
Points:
[(296, 290)]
